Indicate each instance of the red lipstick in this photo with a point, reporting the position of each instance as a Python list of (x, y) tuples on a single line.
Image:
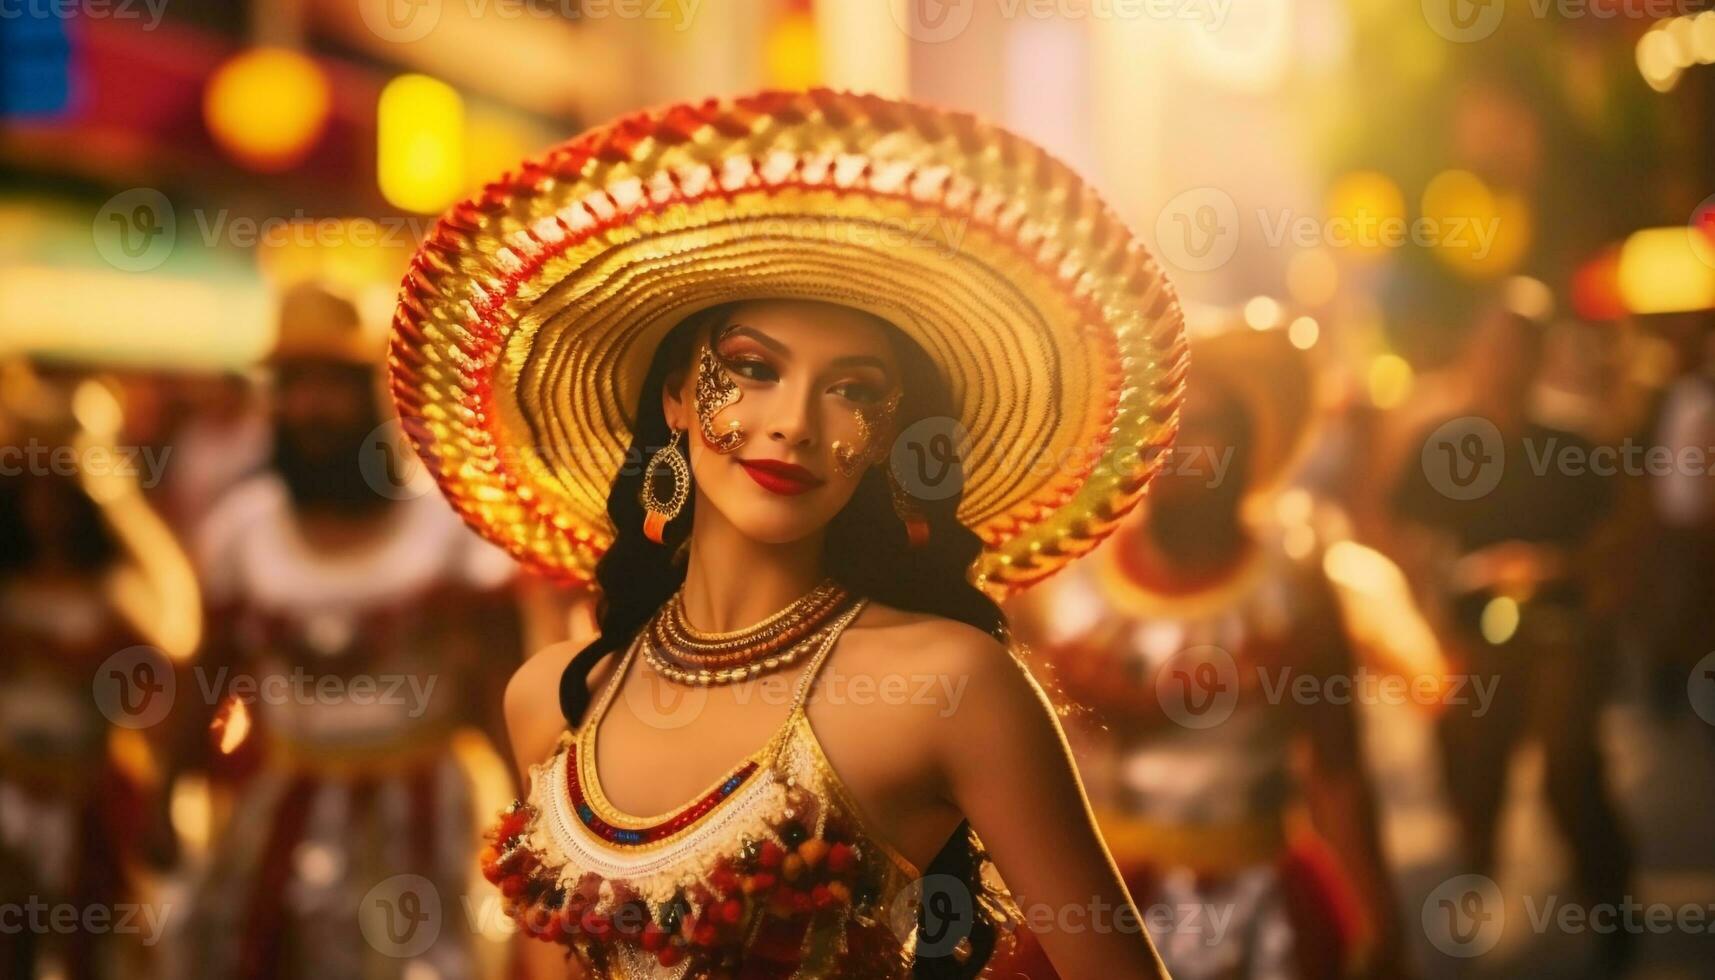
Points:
[(780, 477)]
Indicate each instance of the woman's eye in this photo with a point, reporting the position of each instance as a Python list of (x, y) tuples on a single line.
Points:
[(858, 391), (752, 369)]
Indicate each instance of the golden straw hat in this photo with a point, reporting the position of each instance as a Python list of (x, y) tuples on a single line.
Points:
[(529, 316)]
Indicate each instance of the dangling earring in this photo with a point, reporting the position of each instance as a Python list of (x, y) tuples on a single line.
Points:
[(655, 514), (916, 525)]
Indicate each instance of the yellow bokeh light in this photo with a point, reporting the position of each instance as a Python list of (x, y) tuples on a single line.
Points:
[(266, 107), (1390, 379), (792, 52), (1263, 312), (1500, 620), (1661, 271), (1363, 203), (1475, 231), (1304, 332), (420, 161)]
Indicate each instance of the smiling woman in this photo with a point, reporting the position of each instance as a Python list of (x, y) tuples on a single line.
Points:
[(686, 359)]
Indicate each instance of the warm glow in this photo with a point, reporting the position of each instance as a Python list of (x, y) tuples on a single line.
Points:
[(1304, 332), (266, 107), (1263, 312), (1312, 277), (1660, 272), (1478, 232), (1390, 379), (231, 725), (791, 52), (1500, 620), (1366, 203), (420, 141)]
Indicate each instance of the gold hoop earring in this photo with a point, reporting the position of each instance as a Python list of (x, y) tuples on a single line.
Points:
[(713, 393), (655, 514)]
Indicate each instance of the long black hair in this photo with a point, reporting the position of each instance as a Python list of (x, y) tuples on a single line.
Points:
[(866, 550)]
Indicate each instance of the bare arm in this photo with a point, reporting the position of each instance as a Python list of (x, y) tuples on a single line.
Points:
[(1009, 769), (534, 723)]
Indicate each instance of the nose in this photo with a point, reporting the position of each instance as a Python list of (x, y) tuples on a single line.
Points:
[(793, 425)]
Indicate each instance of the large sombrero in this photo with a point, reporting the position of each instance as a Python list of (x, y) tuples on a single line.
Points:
[(529, 316)]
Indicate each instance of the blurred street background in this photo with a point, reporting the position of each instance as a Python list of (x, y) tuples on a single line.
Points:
[(251, 664)]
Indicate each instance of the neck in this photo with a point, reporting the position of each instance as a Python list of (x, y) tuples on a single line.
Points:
[(733, 581)]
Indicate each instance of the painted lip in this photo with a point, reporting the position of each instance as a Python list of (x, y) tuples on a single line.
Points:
[(780, 477)]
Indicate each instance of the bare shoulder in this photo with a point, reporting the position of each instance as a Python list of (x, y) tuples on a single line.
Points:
[(885, 639), (532, 702)]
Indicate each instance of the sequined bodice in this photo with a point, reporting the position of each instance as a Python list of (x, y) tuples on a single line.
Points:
[(769, 873)]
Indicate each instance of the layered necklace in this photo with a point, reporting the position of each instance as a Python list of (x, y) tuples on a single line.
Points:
[(683, 653)]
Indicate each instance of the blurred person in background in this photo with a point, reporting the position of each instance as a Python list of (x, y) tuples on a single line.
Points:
[(1214, 793), (1678, 616), (224, 437), (1494, 529), (365, 621), (86, 573)]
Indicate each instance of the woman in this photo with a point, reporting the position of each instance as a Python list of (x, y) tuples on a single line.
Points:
[(799, 310)]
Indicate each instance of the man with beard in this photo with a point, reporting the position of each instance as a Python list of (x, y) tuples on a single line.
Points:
[(354, 626)]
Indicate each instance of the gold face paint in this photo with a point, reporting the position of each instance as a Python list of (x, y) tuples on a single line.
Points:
[(871, 419), (716, 391)]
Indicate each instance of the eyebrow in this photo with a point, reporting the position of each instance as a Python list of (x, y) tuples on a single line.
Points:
[(849, 360)]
